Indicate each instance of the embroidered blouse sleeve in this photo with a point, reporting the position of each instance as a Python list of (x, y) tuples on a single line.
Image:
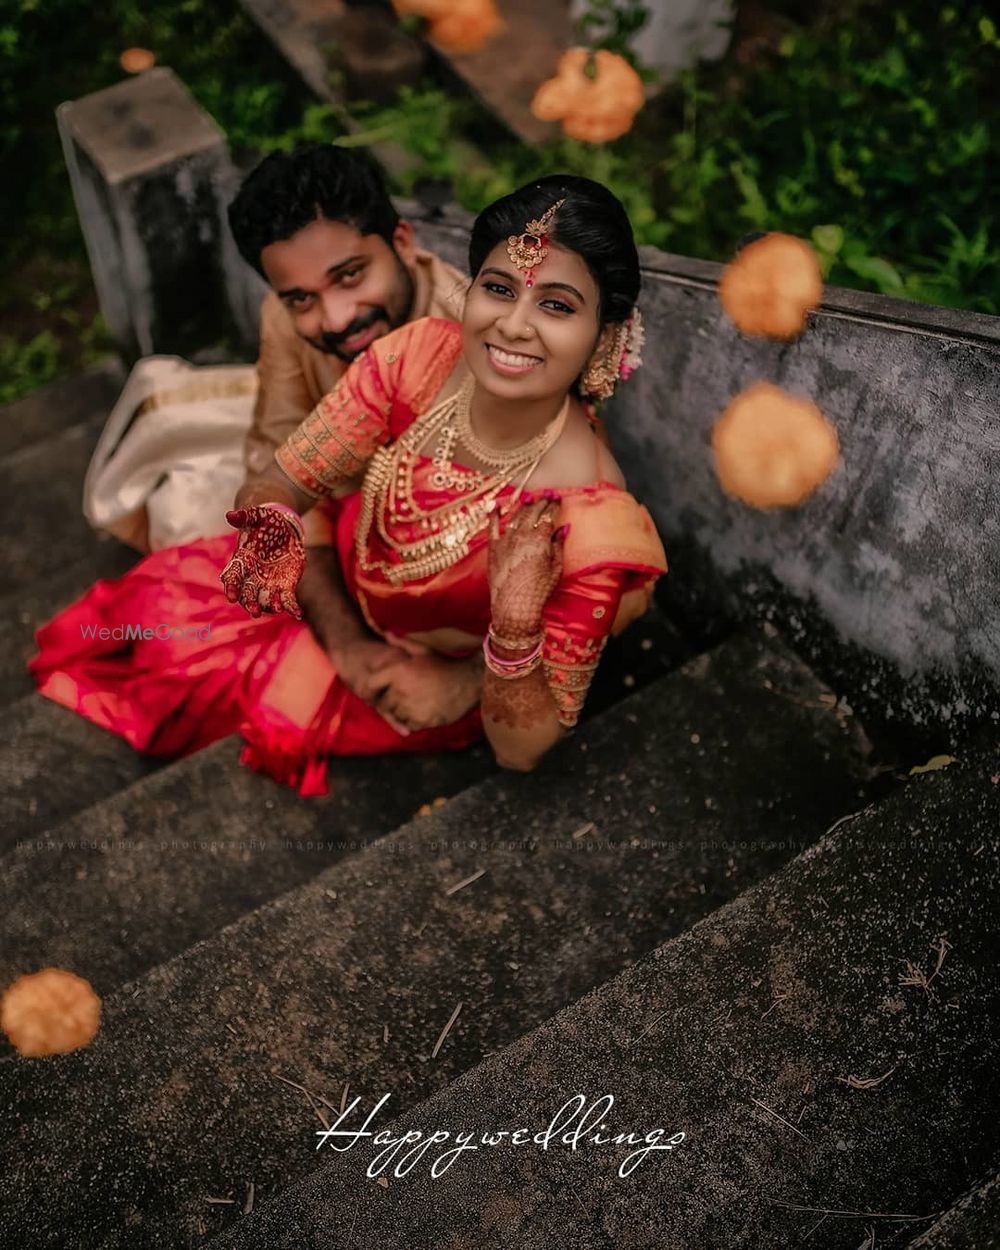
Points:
[(578, 618), (613, 557), (338, 438)]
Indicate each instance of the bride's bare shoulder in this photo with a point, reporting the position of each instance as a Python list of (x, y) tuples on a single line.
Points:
[(579, 458)]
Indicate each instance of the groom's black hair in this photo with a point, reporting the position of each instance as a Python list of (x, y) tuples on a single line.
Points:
[(288, 190), (593, 223)]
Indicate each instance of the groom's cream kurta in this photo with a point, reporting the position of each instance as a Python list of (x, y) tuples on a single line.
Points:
[(181, 438)]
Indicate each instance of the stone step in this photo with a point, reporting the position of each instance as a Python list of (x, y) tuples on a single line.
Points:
[(54, 764), (132, 881), (144, 873), (824, 1055), (507, 72), (45, 766), (973, 1223), (42, 527), (503, 76), (513, 899), (53, 409), (23, 611)]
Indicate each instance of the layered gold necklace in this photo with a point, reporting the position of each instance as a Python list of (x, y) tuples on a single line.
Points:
[(444, 532)]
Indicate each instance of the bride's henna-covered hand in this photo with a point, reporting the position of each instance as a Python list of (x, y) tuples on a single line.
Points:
[(525, 564), (267, 563)]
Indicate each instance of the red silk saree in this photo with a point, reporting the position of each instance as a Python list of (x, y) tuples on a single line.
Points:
[(201, 668)]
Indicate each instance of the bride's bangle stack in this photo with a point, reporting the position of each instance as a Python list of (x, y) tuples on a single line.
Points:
[(520, 666)]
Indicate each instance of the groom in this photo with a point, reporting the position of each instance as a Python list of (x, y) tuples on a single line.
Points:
[(344, 269)]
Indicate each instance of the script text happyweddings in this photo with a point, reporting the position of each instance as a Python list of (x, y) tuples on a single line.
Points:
[(574, 1123)]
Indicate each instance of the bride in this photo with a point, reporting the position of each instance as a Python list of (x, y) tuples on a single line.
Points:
[(493, 538)]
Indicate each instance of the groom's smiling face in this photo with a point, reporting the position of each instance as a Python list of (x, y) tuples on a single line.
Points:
[(343, 289)]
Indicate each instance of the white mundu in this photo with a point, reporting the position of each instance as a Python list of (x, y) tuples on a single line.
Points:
[(170, 458)]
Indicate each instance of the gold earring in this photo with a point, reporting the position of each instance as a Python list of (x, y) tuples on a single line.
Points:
[(601, 376)]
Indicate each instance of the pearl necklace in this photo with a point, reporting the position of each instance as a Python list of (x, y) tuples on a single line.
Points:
[(446, 530)]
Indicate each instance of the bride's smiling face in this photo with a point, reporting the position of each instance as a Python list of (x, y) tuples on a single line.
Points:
[(530, 342)]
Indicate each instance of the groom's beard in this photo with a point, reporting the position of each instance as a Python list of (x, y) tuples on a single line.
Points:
[(402, 308)]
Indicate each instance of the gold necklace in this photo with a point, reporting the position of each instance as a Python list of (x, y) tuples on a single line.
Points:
[(446, 530), (496, 457)]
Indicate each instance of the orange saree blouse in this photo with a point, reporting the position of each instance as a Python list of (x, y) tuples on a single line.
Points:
[(612, 553)]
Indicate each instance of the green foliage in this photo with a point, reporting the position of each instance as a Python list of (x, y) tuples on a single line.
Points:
[(613, 24), (23, 366), (871, 136), (871, 131), (54, 50), (427, 124), (875, 134)]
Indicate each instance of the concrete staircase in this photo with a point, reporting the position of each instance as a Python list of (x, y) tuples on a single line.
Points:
[(753, 1032), (973, 1223), (701, 904)]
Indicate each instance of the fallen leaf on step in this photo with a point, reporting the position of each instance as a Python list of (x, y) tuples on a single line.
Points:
[(933, 764), (865, 1082)]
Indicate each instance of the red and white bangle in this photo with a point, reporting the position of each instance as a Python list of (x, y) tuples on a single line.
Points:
[(509, 670), (290, 515)]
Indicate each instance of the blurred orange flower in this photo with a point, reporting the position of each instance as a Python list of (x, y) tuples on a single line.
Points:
[(137, 60), (431, 9), (49, 1012), (771, 286), (596, 109), (467, 27), (771, 449), (456, 25)]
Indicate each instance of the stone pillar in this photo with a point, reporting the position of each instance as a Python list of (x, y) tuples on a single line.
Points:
[(151, 177)]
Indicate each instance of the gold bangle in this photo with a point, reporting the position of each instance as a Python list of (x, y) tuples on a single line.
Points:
[(517, 644)]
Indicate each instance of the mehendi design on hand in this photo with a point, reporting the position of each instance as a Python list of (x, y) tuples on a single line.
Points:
[(521, 704), (269, 558), (525, 564)]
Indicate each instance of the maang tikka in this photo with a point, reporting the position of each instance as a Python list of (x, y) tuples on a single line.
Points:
[(528, 250)]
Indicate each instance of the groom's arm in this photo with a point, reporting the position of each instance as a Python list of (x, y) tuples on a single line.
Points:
[(284, 400)]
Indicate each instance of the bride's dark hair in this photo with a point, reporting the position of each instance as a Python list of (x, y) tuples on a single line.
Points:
[(593, 223)]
